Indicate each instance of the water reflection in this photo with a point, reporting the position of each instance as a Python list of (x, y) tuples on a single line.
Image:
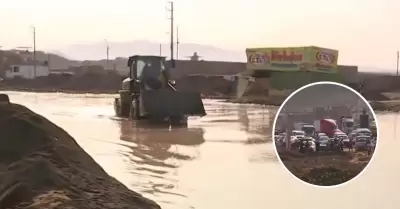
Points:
[(150, 134), (244, 118), (157, 152), (258, 121)]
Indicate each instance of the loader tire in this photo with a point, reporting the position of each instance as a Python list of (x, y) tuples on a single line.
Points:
[(121, 109), (135, 111), (178, 121), (116, 107), (4, 98), (124, 109)]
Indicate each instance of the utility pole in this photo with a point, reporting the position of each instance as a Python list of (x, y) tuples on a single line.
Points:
[(171, 10), (397, 66), (177, 43), (107, 54), (34, 51), (160, 50)]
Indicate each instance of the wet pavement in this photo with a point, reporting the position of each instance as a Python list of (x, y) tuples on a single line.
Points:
[(223, 160)]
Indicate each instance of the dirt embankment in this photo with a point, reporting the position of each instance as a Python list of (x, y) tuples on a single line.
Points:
[(387, 106), (210, 87), (389, 101), (85, 83), (41, 166), (325, 168)]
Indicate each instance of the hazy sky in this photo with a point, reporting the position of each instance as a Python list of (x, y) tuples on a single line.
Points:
[(367, 32)]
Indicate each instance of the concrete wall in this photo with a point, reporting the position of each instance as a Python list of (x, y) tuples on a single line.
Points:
[(349, 73), (379, 82), (293, 80), (278, 79), (188, 67), (183, 67)]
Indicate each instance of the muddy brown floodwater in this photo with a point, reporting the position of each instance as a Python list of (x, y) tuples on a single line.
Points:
[(223, 160)]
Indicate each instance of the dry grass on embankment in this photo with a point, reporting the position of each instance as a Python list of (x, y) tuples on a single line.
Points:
[(41, 166), (325, 168)]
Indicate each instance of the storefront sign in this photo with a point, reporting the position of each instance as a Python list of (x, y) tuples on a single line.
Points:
[(292, 59)]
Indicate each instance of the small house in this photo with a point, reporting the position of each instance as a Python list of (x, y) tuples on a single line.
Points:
[(26, 71)]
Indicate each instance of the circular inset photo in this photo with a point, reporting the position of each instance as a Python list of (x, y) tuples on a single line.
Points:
[(325, 134)]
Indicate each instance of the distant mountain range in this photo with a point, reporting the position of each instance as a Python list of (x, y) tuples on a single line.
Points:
[(97, 51)]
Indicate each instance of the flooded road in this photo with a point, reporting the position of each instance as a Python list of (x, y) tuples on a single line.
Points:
[(219, 158), (223, 160)]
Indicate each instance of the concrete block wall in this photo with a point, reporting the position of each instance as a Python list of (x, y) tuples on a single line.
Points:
[(188, 67), (377, 82)]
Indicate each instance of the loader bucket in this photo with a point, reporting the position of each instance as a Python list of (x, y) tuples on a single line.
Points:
[(166, 103)]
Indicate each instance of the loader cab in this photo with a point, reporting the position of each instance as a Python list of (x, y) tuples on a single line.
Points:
[(145, 69)]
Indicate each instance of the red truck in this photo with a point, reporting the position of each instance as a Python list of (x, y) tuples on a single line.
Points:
[(327, 126)]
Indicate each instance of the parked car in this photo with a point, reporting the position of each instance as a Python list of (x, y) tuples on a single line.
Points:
[(298, 133), (344, 138), (362, 143), (352, 135), (308, 145), (363, 132), (279, 139), (324, 143), (319, 135)]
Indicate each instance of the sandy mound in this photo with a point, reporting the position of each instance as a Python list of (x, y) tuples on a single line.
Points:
[(41, 166)]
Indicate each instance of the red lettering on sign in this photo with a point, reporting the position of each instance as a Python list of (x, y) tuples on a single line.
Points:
[(286, 56)]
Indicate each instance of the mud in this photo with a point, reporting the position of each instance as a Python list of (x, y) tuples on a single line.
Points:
[(41, 166), (325, 168)]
